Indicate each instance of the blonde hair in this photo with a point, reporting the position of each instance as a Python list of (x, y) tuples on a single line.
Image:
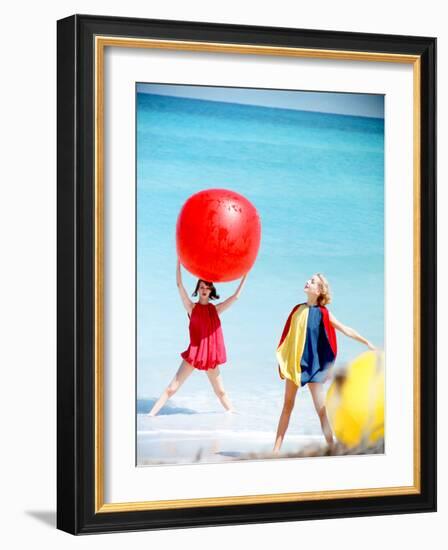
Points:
[(325, 294)]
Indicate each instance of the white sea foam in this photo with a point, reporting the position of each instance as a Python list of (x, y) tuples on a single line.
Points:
[(221, 433)]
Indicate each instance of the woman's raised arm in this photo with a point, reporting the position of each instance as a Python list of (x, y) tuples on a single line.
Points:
[(227, 303), (188, 304), (351, 333)]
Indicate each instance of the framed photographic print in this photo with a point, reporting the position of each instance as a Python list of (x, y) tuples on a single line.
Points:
[(246, 274)]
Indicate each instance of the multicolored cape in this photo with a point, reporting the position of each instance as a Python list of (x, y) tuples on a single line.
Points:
[(308, 345)]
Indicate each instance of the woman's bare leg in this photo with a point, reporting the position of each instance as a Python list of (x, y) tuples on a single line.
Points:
[(216, 381), (318, 394), (288, 405), (182, 374)]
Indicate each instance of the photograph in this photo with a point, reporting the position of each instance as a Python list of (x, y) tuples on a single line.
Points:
[(230, 227), (246, 269), (260, 223)]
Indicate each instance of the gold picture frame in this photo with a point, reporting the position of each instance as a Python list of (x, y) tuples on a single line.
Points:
[(82, 41)]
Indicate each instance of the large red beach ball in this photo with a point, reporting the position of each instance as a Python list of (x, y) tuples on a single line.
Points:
[(218, 235)]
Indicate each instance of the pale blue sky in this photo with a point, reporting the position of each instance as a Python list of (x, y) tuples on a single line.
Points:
[(368, 105)]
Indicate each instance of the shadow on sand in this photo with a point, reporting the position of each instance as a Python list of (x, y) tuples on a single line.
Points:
[(231, 454), (145, 405)]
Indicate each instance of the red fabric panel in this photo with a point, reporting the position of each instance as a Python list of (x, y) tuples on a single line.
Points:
[(329, 329)]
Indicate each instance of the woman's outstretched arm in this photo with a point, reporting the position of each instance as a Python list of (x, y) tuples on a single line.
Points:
[(227, 303), (351, 333), (188, 304)]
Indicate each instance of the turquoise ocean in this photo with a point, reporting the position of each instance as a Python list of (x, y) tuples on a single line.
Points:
[(317, 181)]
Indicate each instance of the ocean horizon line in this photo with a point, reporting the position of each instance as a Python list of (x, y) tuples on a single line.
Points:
[(258, 106)]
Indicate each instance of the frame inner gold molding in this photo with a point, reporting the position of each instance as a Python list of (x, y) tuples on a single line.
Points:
[(101, 42)]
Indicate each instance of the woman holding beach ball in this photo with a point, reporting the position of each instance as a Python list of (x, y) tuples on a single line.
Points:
[(217, 237), (306, 351)]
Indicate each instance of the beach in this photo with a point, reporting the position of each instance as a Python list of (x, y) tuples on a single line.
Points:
[(214, 438), (208, 434)]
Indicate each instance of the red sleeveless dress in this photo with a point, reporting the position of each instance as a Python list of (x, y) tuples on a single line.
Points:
[(206, 349)]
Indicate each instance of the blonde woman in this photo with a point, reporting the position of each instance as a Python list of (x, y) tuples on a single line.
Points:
[(306, 351)]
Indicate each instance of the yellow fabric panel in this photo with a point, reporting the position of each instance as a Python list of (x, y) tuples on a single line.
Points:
[(290, 352), (355, 403)]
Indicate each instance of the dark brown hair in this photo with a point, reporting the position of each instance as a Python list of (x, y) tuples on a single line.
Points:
[(213, 294)]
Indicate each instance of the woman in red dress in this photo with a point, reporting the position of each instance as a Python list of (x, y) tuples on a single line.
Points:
[(206, 350)]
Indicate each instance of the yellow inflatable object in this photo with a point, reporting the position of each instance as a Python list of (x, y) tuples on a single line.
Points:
[(355, 401)]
